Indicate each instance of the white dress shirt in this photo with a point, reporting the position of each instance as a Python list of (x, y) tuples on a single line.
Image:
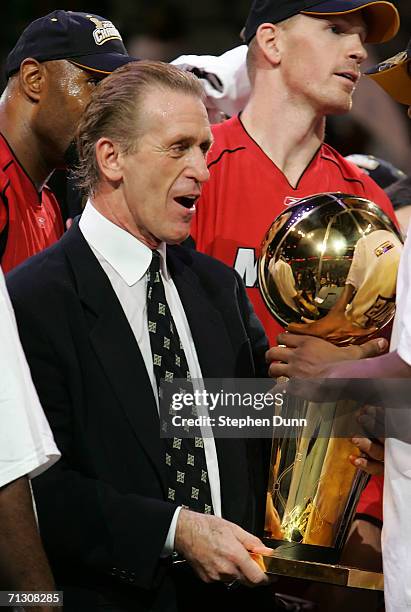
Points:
[(126, 260)]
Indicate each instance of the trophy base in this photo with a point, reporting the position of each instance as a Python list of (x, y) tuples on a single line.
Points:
[(315, 563)]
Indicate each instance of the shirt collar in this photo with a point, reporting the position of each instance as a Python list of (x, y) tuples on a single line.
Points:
[(129, 257)]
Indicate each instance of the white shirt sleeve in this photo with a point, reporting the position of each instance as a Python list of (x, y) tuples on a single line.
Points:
[(401, 334), (396, 535), (26, 442), (224, 78), (168, 547)]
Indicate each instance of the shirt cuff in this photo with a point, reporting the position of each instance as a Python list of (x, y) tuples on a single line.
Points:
[(168, 547)]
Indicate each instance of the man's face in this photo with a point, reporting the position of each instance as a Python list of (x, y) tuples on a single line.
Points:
[(162, 180), (320, 61), (68, 89)]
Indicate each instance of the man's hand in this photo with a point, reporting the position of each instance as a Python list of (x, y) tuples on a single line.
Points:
[(219, 550), (372, 455), (309, 357)]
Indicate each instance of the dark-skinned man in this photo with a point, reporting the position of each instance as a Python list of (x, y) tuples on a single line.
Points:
[(52, 70)]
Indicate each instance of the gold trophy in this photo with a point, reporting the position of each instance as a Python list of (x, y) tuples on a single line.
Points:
[(328, 268)]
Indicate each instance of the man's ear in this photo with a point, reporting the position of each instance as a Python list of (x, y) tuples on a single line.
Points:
[(109, 160), (267, 37), (32, 78)]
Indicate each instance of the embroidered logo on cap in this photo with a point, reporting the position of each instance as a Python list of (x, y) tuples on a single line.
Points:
[(393, 61), (104, 31)]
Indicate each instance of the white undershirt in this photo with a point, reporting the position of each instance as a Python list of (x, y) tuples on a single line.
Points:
[(126, 260), (396, 536), (26, 442)]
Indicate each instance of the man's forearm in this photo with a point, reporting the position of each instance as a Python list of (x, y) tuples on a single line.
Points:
[(23, 562), (389, 365)]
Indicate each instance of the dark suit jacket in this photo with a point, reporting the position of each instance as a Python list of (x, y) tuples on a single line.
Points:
[(102, 509)]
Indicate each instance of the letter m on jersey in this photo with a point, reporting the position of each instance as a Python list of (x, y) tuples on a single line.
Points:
[(246, 266)]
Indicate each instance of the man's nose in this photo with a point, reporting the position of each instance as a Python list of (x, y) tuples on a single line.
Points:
[(358, 52), (201, 171)]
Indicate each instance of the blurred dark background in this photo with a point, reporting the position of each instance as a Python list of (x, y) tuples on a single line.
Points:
[(164, 29)]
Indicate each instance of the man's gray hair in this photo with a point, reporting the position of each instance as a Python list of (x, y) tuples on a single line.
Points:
[(114, 111)]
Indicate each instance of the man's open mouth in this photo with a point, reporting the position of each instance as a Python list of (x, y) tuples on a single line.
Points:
[(187, 201)]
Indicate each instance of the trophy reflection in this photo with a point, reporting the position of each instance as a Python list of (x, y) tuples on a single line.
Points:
[(328, 268)]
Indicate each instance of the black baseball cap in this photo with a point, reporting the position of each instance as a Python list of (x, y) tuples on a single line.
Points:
[(393, 74), (90, 41), (381, 17)]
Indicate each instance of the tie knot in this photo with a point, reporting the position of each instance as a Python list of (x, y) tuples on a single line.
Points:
[(154, 267)]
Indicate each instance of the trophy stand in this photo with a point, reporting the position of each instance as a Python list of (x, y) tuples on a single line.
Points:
[(286, 561)]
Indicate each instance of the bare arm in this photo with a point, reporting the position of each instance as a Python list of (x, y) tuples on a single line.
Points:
[(389, 365), (23, 562)]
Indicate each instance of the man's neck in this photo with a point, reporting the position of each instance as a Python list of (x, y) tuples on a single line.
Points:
[(288, 134), (26, 146)]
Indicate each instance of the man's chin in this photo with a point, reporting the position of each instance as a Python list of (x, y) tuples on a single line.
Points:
[(340, 107), (177, 238)]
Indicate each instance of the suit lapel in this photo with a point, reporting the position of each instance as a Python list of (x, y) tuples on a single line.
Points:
[(205, 321), (116, 348)]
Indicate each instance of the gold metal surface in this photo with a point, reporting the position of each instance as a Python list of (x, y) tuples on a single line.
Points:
[(320, 572), (328, 268)]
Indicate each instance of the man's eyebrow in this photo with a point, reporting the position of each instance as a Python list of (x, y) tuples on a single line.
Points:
[(190, 140)]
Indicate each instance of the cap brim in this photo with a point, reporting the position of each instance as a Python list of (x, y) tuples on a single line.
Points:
[(381, 17), (102, 63), (393, 76)]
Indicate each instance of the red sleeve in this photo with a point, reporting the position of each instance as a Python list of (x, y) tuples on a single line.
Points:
[(370, 502), (3, 215)]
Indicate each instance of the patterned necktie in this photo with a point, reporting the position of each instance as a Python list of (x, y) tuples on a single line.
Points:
[(185, 459)]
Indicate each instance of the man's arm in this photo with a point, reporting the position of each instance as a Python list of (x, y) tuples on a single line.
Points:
[(309, 357), (23, 563)]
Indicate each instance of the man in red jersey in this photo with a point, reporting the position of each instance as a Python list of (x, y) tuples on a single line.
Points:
[(51, 72), (303, 62), (302, 356)]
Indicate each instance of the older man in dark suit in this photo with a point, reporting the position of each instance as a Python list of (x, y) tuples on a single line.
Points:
[(107, 313)]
